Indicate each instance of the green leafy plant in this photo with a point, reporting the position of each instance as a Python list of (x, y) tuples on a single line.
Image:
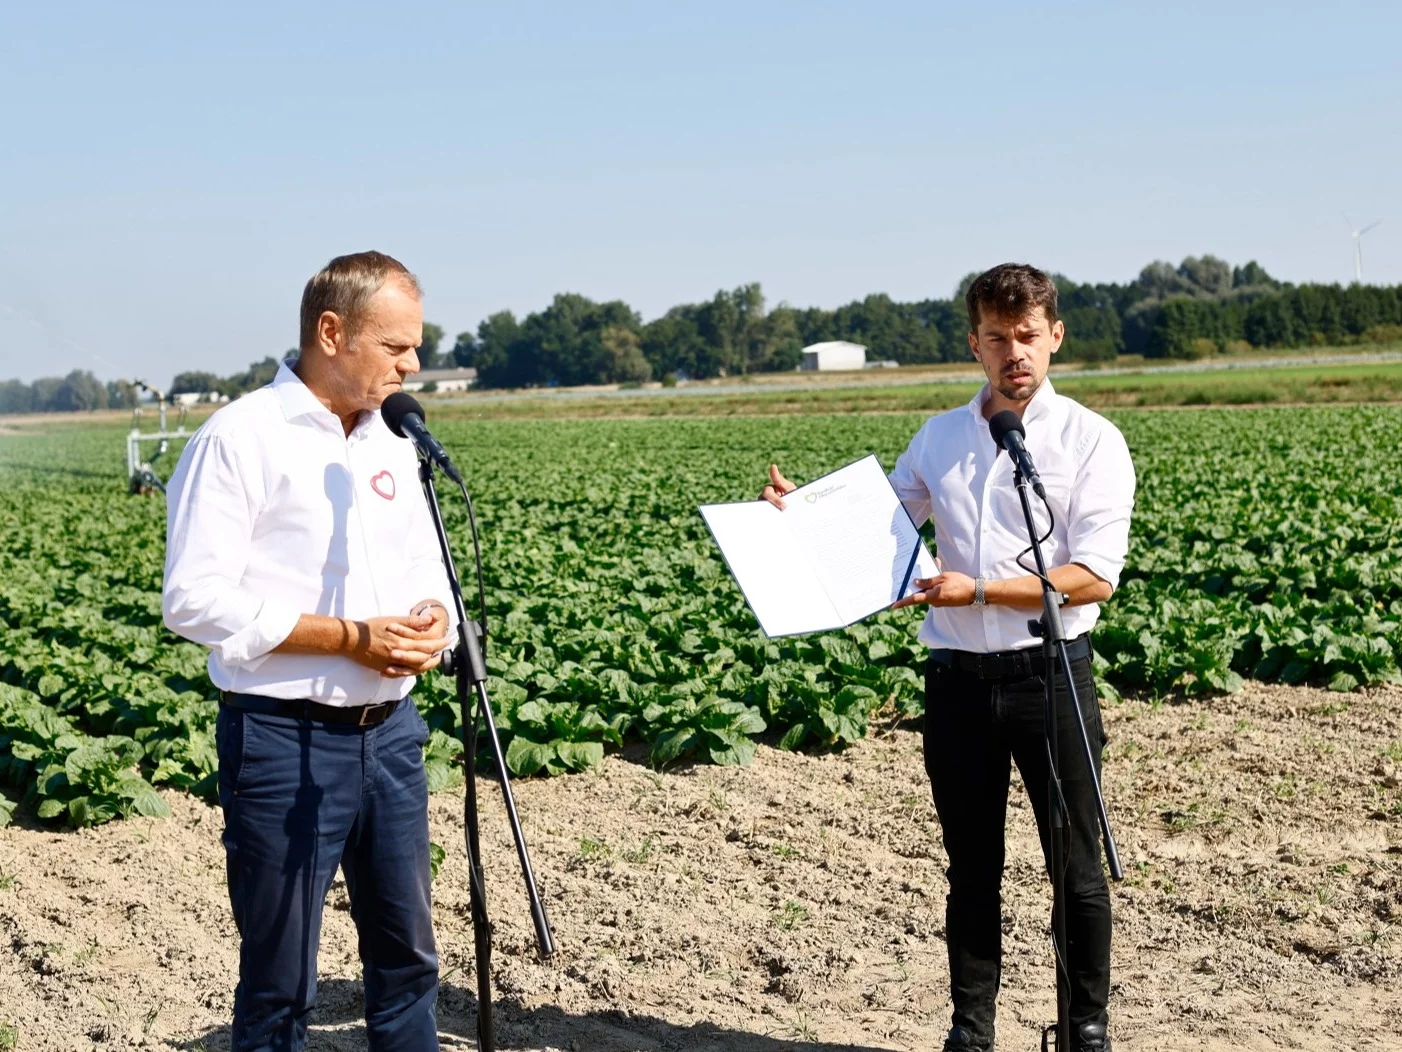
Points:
[(1264, 546)]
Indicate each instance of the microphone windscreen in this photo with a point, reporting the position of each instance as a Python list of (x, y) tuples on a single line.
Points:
[(1000, 426), (396, 407)]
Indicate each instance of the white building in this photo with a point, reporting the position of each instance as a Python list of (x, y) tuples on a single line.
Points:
[(833, 355), (442, 379), (196, 397)]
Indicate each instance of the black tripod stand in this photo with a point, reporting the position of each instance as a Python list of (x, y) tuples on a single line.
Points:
[(1053, 635), (466, 664)]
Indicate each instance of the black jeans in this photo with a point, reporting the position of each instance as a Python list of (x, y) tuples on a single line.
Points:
[(973, 727)]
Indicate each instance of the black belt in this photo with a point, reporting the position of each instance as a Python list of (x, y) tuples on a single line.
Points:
[(302, 709), (1007, 664)]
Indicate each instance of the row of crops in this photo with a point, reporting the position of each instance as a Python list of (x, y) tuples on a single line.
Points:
[(1265, 546)]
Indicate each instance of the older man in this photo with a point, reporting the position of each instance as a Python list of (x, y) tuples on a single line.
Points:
[(300, 551)]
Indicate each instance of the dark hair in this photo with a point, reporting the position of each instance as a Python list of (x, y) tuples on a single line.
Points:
[(1010, 290), (345, 287)]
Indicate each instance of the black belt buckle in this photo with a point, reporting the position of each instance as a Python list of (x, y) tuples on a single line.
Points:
[(381, 711), (1003, 664)]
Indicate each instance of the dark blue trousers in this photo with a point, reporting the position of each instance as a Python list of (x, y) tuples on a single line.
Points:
[(301, 798)]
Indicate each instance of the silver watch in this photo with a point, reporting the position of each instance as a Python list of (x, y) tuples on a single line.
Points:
[(979, 598)]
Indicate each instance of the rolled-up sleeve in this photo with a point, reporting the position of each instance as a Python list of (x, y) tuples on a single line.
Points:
[(1097, 533), (209, 530), (910, 487)]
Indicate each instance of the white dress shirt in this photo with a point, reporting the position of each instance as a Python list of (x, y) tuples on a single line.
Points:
[(952, 472), (273, 512)]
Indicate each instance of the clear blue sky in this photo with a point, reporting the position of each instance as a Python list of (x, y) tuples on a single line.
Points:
[(171, 174)]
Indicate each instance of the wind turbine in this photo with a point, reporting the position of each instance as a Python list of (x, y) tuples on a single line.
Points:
[(1358, 248)]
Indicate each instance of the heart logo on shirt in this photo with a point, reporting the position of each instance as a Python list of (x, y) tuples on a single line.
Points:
[(383, 484)]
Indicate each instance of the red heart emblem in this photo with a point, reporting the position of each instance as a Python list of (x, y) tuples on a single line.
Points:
[(383, 484)]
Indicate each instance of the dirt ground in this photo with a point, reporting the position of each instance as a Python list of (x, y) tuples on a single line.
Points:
[(798, 903)]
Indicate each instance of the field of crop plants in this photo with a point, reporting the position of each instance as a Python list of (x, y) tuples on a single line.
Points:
[(1265, 546)]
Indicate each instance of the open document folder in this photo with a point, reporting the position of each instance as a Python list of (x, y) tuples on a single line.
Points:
[(843, 549)]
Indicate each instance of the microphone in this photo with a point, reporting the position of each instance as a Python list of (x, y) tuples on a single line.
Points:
[(1007, 431), (405, 417)]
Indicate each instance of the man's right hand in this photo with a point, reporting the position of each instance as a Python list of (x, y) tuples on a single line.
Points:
[(398, 646), (778, 486)]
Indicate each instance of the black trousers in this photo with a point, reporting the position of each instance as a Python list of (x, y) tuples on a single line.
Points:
[(973, 728)]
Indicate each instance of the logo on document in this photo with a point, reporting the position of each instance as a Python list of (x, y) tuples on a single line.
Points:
[(813, 498), (383, 484)]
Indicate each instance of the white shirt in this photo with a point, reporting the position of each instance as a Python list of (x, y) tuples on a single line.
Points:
[(952, 472), (273, 512)]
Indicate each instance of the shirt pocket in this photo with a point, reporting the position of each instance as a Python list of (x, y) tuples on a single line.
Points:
[(1058, 480)]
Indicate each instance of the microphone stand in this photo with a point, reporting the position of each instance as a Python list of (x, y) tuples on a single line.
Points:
[(466, 664), (1052, 631)]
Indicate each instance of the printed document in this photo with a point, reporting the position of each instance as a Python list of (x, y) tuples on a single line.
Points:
[(843, 549)]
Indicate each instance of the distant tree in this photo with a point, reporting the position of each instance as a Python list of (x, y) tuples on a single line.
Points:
[(962, 289), (79, 391), (1253, 275), (195, 383), (464, 349), (1093, 325), (783, 346), (674, 344), (1135, 325), (627, 363), (491, 352), (719, 323), (949, 319), (16, 396), (562, 344), (1160, 280), (122, 394), (1179, 326), (1208, 275), (43, 392), (429, 358), (748, 338), (732, 323), (1271, 323), (258, 374)]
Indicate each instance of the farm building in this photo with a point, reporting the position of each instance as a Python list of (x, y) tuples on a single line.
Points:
[(442, 380), (197, 397), (833, 355)]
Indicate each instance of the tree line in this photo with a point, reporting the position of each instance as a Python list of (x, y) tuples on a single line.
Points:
[(80, 389), (1200, 307)]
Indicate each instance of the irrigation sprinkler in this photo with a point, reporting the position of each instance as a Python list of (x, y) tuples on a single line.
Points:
[(141, 472)]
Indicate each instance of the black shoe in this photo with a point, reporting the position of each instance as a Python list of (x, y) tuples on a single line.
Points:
[(961, 1039), (1092, 1037)]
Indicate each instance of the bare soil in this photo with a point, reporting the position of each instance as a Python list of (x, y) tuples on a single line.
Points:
[(798, 903)]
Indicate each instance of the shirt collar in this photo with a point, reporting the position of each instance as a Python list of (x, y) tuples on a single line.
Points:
[(1040, 405), (296, 397)]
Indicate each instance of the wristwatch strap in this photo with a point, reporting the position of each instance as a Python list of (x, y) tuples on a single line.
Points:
[(979, 597)]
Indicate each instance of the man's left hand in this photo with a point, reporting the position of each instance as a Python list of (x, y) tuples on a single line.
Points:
[(427, 620), (948, 589)]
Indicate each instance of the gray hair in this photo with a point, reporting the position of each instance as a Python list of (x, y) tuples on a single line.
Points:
[(345, 287)]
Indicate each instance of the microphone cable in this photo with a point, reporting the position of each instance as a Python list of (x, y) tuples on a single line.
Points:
[(1051, 527), (477, 560)]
